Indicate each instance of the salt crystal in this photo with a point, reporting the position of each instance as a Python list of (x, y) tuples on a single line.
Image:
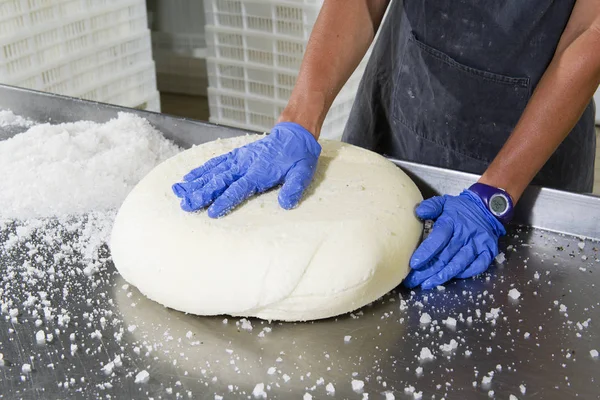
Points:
[(523, 389), (418, 395), (142, 377), (440, 288), (390, 396), (514, 294), (594, 353), (425, 318), (286, 377), (449, 347), (347, 339), (271, 370), (357, 385), (40, 337), (562, 308), (581, 245), (245, 324), (426, 354), (307, 396), (26, 368), (419, 371), (259, 391), (409, 389), (513, 397), (330, 388), (500, 258), (450, 322)]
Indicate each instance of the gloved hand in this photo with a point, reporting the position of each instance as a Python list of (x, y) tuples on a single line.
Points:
[(463, 242), (287, 155)]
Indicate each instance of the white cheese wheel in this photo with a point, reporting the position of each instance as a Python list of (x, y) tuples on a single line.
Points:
[(346, 244)]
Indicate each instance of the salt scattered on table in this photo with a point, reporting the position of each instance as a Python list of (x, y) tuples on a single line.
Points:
[(357, 385), (426, 354), (594, 353), (425, 318), (259, 391), (142, 377), (514, 294)]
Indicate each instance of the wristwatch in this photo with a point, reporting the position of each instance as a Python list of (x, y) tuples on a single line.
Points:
[(497, 201)]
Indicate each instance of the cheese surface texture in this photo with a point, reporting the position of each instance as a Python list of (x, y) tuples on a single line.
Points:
[(347, 243)]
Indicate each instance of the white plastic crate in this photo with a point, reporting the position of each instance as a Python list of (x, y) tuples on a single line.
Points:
[(258, 114), (124, 88), (33, 15), (286, 18), (255, 47), (122, 53), (28, 51), (261, 81)]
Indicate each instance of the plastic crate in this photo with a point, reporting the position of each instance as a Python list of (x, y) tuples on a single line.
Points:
[(255, 48), (31, 15), (125, 89), (121, 54), (257, 114), (260, 81), (30, 51), (286, 18)]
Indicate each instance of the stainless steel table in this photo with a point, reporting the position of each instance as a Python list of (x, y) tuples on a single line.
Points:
[(484, 343)]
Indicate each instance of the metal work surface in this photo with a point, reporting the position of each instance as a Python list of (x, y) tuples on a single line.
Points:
[(100, 333)]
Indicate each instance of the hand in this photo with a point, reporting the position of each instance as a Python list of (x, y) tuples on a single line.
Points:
[(287, 155), (462, 244)]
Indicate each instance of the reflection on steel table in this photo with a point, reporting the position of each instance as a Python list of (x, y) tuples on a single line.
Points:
[(483, 342)]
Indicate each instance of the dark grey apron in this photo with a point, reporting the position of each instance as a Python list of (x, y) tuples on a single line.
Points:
[(449, 79)]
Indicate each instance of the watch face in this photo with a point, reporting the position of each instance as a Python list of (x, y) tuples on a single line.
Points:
[(498, 204)]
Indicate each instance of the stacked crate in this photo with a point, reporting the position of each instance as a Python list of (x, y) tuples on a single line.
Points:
[(92, 49), (179, 46), (255, 48)]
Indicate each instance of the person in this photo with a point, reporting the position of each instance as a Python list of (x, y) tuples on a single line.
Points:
[(503, 89)]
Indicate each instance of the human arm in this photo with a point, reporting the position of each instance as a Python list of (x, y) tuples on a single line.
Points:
[(557, 103), (288, 155), (343, 32), (464, 240)]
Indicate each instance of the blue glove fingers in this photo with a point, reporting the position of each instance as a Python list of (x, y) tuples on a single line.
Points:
[(296, 182), (183, 189), (214, 188), (416, 277), (459, 263), (235, 194), (204, 168), (433, 244), (481, 264), (431, 208)]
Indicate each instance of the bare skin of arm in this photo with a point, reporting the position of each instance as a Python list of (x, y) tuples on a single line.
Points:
[(343, 32), (556, 105)]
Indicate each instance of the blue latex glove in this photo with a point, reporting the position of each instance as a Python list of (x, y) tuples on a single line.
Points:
[(462, 244), (288, 156)]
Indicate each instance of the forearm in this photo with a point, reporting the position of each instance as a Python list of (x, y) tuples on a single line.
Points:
[(340, 38), (555, 107)]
